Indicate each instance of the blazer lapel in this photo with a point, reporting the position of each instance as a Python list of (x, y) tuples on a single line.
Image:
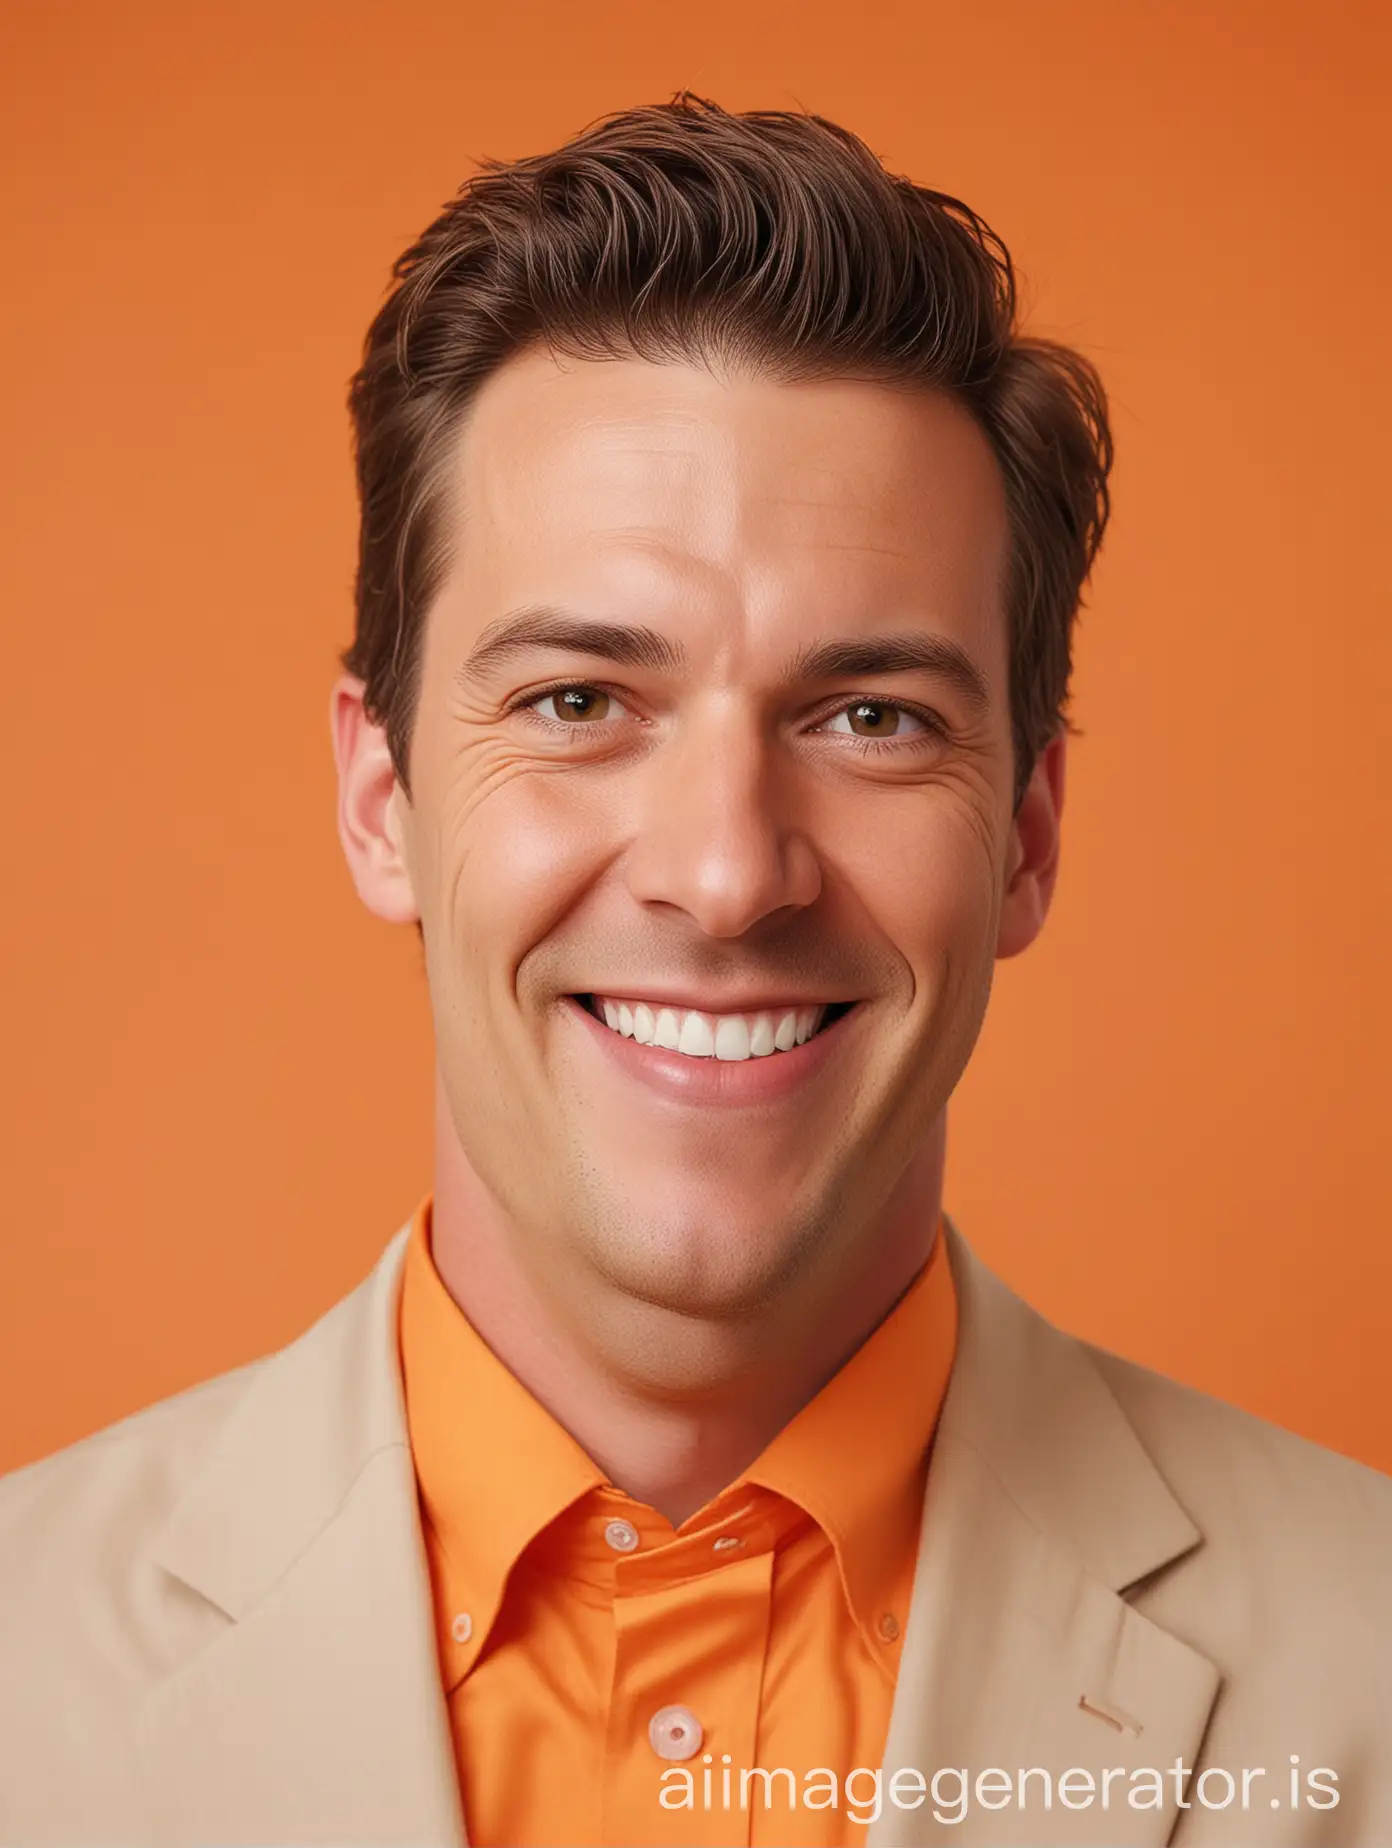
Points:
[(313, 1712), (1020, 1652)]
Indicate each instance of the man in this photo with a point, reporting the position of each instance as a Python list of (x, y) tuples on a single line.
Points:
[(680, 1475)]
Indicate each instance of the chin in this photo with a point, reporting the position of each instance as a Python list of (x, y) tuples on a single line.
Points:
[(707, 1264)]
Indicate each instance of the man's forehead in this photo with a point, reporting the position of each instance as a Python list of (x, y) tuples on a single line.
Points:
[(634, 448)]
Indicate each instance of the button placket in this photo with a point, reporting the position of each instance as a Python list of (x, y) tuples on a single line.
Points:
[(688, 1669)]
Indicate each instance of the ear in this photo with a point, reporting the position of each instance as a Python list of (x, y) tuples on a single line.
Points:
[(1031, 866), (371, 803)]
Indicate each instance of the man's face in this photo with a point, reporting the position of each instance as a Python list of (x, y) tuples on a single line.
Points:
[(760, 769)]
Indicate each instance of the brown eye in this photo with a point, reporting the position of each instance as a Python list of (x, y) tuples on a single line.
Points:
[(576, 705), (876, 718)]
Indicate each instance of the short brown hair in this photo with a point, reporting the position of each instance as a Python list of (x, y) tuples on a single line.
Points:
[(774, 239)]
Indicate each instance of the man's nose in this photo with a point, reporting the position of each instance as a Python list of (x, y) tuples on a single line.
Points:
[(719, 835)]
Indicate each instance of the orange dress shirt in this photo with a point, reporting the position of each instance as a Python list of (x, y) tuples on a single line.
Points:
[(606, 1673)]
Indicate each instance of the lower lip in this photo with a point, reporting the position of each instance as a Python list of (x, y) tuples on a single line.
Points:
[(717, 1081)]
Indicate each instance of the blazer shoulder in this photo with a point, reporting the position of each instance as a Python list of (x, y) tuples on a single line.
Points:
[(82, 1527), (88, 1621), (85, 1515), (163, 1428), (127, 1555), (1235, 1471)]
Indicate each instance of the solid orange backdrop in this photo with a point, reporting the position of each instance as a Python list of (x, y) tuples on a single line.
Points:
[(216, 1090)]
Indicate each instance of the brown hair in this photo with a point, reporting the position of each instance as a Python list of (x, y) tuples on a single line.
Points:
[(773, 239)]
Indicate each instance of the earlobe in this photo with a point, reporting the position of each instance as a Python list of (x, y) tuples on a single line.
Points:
[(370, 802), (1031, 869)]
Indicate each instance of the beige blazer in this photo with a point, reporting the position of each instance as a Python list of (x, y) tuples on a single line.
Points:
[(215, 1616)]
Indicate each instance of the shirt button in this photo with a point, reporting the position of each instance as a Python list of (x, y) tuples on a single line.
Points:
[(462, 1628), (622, 1536), (675, 1732), (889, 1627)]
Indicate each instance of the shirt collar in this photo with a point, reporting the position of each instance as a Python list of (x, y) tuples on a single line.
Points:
[(854, 1458), (493, 1467)]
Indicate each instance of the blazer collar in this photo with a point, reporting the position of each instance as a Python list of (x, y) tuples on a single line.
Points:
[(313, 1417), (313, 1712), (1031, 1402), (1042, 1509)]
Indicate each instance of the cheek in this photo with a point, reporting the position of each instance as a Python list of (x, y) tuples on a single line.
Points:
[(515, 850), (929, 877)]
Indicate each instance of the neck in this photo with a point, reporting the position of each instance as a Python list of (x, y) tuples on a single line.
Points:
[(673, 1451)]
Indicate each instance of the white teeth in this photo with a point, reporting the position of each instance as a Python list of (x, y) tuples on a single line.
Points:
[(731, 1037), (697, 1040), (761, 1039)]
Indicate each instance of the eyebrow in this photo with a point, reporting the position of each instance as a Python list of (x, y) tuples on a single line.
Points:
[(538, 627), (910, 653), (638, 646)]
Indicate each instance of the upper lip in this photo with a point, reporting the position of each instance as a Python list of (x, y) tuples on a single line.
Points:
[(760, 1003)]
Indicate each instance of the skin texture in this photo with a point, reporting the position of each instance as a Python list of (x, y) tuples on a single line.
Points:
[(675, 1277)]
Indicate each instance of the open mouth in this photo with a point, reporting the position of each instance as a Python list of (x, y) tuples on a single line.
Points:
[(729, 1037)]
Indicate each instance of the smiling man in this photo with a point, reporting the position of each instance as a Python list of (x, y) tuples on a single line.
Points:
[(680, 1475)]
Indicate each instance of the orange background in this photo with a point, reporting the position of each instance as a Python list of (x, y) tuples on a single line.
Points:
[(216, 1088)]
